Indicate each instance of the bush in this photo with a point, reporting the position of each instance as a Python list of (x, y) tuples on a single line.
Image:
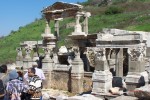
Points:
[(118, 1), (113, 10)]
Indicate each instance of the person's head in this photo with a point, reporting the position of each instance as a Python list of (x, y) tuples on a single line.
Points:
[(31, 72), (13, 75), (34, 64), (3, 68)]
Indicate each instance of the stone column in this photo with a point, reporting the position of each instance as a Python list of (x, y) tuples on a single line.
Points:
[(136, 67), (19, 58), (57, 26), (35, 54), (77, 73), (55, 59), (47, 61), (27, 62), (78, 27), (47, 67), (119, 62), (85, 28), (102, 77)]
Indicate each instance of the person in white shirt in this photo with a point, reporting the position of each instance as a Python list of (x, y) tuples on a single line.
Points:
[(39, 72)]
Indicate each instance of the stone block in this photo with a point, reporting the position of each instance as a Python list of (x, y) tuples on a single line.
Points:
[(61, 80), (102, 81), (47, 82), (102, 76), (77, 83), (47, 65), (27, 63), (101, 65), (136, 66), (77, 67), (134, 80), (60, 67)]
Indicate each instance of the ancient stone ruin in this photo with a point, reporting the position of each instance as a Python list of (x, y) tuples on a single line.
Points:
[(92, 60)]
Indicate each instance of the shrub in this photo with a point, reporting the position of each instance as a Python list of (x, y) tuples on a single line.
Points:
[(118, 1), (113, 10)]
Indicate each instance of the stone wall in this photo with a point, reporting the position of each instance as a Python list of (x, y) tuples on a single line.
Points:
[(61, 80), (87, 82), (47, 81)]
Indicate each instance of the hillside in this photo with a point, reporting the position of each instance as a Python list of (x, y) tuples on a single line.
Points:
[(133, 15)]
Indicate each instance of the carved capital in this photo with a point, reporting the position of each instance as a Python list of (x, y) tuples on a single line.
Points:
[(137, 53), (100, 53)]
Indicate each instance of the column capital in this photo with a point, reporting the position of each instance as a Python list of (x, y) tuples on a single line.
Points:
[(137, 53)]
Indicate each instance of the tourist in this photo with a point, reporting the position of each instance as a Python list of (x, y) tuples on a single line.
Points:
[(4, 75), (39, 72), (35, 85), (15, 87)]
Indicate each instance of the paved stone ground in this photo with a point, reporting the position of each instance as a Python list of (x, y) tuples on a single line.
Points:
[(125, 98), (52, 94)]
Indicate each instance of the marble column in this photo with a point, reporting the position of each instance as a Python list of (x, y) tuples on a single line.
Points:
[(35, 54), (47, 61), (57, 26), (47, 67), (86, 16), (19, 58), (136, 67), (102, 77), (77, 72), (27, 62), (119, 62)]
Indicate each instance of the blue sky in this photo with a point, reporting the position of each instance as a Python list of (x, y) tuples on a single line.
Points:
[(16, 13)]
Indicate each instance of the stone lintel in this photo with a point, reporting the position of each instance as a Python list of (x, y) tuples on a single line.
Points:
[(116, 46), (59, 67)]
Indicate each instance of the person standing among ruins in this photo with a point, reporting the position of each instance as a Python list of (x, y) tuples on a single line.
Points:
[(15, 87), (4, 77), (4, 74), (38, 72), (35, 85)]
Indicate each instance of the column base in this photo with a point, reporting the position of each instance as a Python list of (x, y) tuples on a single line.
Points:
[(77, 83), (136, 80), (102, 82), (47, 65), (27, 63)]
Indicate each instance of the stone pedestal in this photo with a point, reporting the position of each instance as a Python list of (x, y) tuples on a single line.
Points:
[(136, 69), (47, 82), (102, 82), (102, 77), (19, 58), (27, 63), (47, 62), (19, 63), (100, 65), (135, 79), (77, 74), (136, 66), (77, 83), (61, 77), (47, 67)]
